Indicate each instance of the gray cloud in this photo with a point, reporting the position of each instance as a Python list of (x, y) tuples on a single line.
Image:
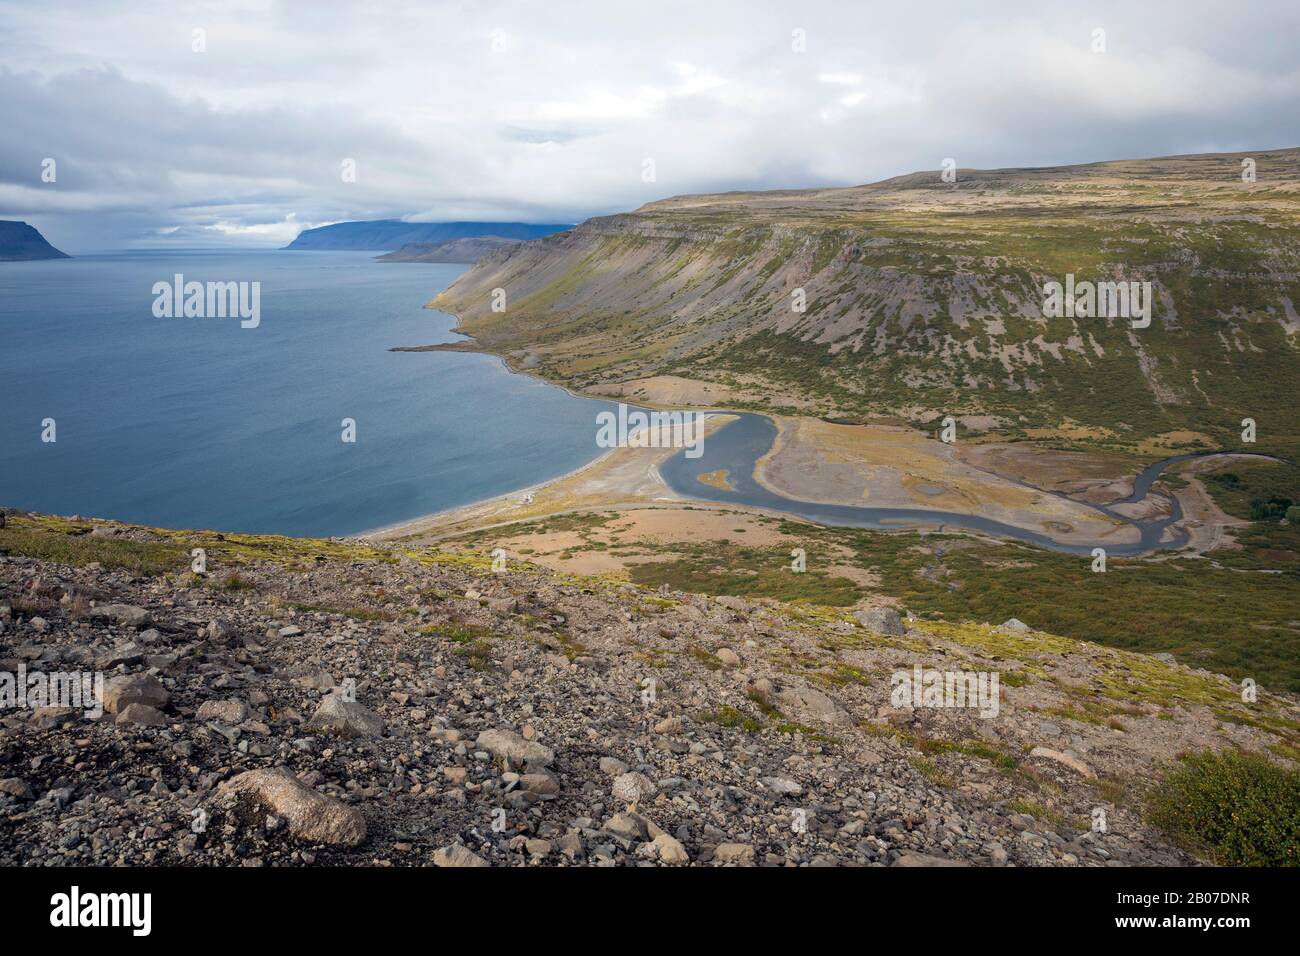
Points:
[(548, 111)]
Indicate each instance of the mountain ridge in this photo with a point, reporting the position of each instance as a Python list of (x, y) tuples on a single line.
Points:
[(463, 251), (925, 298), (389, 234)]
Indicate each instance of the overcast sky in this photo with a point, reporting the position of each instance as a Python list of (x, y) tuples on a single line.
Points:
[(545, 111)]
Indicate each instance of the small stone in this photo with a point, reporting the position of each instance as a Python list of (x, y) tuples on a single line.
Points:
[(457, 855), (16, 788), (669, 725), (813, 703), (223, 711), (345, 718), (741, 854), (128, 614), (220, 632), (629, 826), (612, 766), (510, 748), (540, 783), (633, 787), (142, 715), (129, 654), (782, 785), (671, 850), (48, 718)]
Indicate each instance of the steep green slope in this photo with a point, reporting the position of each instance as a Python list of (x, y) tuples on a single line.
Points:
[(926, 297)]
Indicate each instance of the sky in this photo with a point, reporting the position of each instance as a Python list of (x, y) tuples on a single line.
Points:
[(234, 123)]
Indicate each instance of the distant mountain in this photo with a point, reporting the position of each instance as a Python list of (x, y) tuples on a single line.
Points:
[(387, 234), (20, 242), (465, 251)]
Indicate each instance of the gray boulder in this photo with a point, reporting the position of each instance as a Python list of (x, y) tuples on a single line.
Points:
[(345, 718), (881, 620)]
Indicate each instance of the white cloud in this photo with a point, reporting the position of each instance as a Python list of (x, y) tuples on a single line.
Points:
[(552, 122)]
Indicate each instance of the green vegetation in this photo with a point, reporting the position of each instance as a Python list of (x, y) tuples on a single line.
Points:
[(472, 643), (29, 539), (1255, 491), (915, 303), (164, 550), (1221, 614), (728, 716), (746, 572), (1238, 809)]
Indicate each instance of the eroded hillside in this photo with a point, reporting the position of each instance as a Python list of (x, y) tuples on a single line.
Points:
[(925, 298), (324, 701)]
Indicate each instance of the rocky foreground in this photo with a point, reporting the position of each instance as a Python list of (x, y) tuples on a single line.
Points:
[(404, 707)]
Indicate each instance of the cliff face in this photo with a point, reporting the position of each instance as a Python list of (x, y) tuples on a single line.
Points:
[(20, 242), (383, 235), (920, 296), (464, 251)]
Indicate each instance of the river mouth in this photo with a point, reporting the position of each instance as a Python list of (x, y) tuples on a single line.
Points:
[(736, 448)]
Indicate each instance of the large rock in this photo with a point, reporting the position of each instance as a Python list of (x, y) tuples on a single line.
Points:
[(808, 702), (457, 855), (782, 785), (312, 817), (670, 850), (741, 854), (129, 653), (16, 787), (881, 620), (508, 747), (633, 787), (224, 711), (345, 718), (1017, 625), (629, 826), (220, 632), (128, 614), (121, 692)]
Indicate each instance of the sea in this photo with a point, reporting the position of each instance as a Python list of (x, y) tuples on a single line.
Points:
[(108, 410)]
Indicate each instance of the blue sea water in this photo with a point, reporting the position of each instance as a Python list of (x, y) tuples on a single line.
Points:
[(197, 422)]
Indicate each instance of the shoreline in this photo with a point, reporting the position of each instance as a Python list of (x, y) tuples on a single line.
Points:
[(453, 520)]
